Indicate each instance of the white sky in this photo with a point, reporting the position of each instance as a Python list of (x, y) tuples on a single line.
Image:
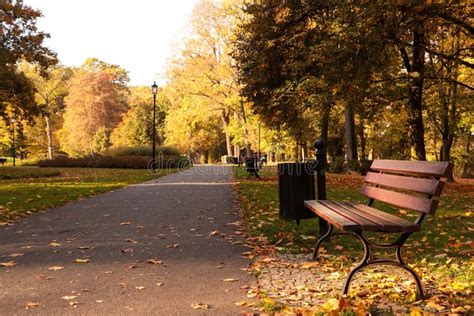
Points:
[(137, 35)]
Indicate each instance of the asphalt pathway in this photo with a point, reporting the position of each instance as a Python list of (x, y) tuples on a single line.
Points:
[(154, 248)]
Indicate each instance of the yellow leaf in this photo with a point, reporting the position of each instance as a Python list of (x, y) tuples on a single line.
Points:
[(200, 306), (32, 305), (13, 255), (77, 260), (140, 287), (154, 261), (230, 280), (54, 244), (8, 264), (68, 297), (56, 268)]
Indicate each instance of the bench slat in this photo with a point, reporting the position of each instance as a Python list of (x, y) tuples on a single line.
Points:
[(383, 224), (332, 217), (400, 199), (428, 186), (427, 168), (345, 211), (403, 224)]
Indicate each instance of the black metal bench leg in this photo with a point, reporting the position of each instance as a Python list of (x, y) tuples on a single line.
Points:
[(364, 262), (402, 264), (320, 240)]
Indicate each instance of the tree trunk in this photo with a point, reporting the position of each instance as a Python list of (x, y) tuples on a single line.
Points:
[(49, 134), (465, 168), (325, 123), (415, 120), (360, 131), (349, 133), (248, 152), (225, 122)]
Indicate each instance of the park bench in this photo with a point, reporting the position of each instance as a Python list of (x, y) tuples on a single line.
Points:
[(408, 185), (3, 161)]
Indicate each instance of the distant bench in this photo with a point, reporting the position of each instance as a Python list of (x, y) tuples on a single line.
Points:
[(3, 161), (412, 185)]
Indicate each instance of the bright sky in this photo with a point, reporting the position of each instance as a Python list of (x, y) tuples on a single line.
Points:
[(137, 35)]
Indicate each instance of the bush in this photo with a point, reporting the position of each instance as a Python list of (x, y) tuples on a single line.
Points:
[(129, 162), (142, 151)]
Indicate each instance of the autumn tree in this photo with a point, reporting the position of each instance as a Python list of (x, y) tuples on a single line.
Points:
[(94, 107), (136, 127), (20, 40), (344, 50), (51, 91), (204, 69)]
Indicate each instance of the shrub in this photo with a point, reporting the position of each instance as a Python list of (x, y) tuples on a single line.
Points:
[(142, 151), (130, 162)]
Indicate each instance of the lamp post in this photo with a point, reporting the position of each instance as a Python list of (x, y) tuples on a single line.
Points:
[(154, 90), (13, 142)]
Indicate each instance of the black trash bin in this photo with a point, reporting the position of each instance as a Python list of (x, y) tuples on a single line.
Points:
[(296, 185)]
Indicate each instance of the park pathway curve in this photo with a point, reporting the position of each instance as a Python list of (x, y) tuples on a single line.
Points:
[(90, 257)]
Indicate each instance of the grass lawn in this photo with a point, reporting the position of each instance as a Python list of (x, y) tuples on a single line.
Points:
[(442, 251), (25, 190)]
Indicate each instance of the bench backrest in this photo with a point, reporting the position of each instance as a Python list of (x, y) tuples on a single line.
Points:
[(414, 185)]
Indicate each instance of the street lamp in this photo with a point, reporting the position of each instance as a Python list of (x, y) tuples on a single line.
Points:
[(13, 141), (154, 90)]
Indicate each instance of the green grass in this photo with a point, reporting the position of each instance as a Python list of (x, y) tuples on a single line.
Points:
[(443, 247), (25, 190)]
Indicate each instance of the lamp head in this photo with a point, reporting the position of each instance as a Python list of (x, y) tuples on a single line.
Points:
[(154, 88)]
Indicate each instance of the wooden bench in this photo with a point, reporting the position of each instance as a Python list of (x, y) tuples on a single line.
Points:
[(410, 185)]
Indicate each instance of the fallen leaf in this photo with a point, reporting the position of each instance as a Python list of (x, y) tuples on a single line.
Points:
[(68, 297), (172, 246), (154, 261), (230, 280), (8, 264), (140, 287), (77, 260), (214, 233), (126, 223), (32, 305), (99, 301), (54, 244), (200, 306), (56, 268), (127, 250), (16, 254)]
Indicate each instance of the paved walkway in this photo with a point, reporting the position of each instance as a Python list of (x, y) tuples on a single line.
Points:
[(90, 257)]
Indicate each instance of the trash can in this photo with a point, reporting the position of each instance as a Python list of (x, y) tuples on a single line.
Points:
[(296, 185)]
